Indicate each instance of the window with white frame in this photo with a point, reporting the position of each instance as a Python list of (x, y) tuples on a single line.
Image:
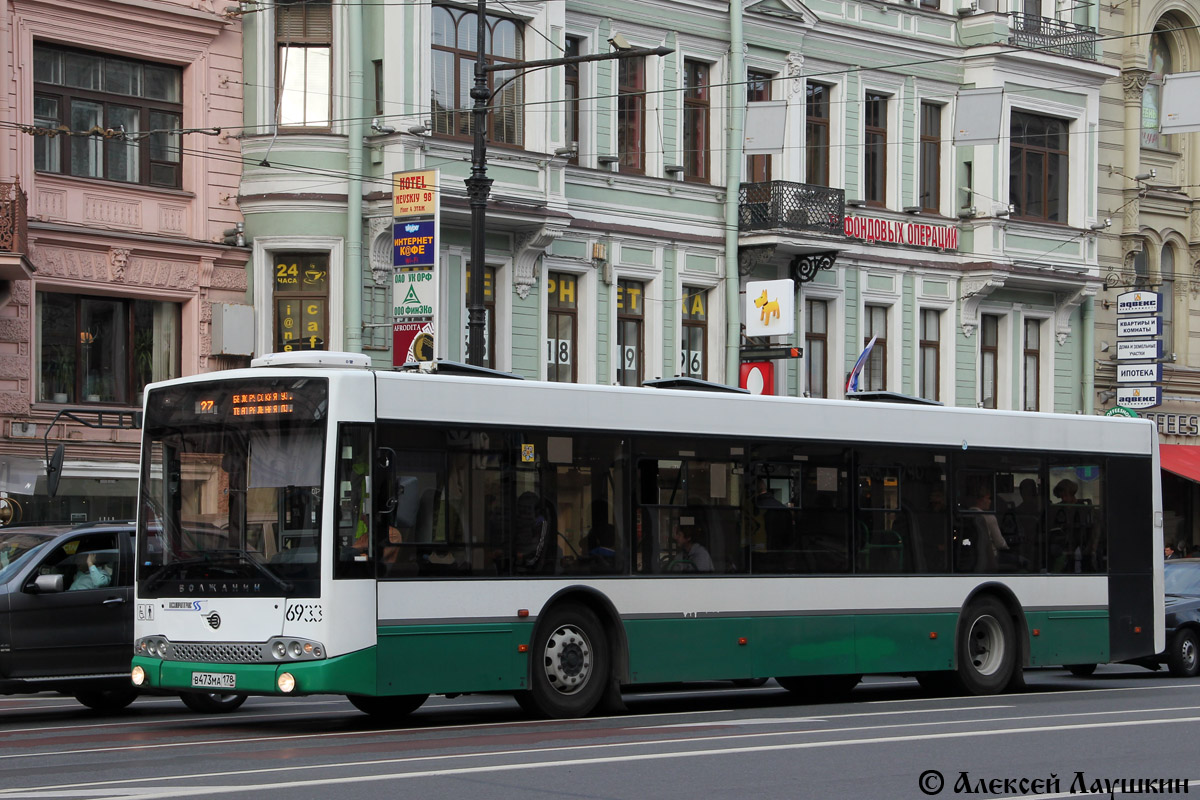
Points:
[(816, 347), (1032, 365), (1038, 167), (989, 359), (304, 63), (562, 326), (875, 134), (489, 315), (930, 345), (931, 158), (631, 331), (694, 353), (874, 373)]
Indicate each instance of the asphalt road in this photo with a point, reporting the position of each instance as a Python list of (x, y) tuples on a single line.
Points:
[(1062, 737)]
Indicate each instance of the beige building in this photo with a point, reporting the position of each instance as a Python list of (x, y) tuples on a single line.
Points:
[(1149, 187)]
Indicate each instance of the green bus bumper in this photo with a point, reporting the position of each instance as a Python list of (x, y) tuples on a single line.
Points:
[(353, 673)]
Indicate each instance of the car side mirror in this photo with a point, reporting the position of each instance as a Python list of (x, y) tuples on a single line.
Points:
[(49, 584)]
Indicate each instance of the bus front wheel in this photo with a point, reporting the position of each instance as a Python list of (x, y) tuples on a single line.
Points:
[(570, 664), (987, 647), (212, 702), (394, 706)]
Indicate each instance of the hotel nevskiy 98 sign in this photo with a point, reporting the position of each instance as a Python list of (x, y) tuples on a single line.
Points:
[(416, 208)]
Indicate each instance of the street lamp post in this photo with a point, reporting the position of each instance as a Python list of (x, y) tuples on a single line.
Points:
[(479, 185)]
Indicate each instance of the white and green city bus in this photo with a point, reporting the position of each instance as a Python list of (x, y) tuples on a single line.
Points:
[(310, 525)]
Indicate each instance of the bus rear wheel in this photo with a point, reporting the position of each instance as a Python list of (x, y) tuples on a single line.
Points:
[(570, 664), (820, 688), (987, 647), (394, 706)]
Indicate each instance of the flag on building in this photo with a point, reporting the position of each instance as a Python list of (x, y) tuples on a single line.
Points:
[(852, 380)]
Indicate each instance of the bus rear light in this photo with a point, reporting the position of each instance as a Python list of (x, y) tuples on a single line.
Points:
[(286, 682)]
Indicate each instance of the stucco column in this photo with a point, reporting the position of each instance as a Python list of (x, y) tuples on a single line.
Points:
[(1134, 82)]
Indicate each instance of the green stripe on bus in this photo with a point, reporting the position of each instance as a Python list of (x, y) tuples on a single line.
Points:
[(416, 659)]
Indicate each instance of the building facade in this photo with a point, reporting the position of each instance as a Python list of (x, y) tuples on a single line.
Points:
[(119, 155), (626, 216)]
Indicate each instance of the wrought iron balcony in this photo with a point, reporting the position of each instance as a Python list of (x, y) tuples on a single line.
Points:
[(783, 205), (14, 225), (1052, 35)]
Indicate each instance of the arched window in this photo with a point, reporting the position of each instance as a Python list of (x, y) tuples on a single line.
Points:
[(1160, 64), (454, 45), (1166, 272)]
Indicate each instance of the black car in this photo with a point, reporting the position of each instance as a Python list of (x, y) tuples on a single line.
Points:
[(1181, 582), (66, 615)]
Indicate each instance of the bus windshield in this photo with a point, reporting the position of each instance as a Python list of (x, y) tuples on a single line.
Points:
[(231, 489)]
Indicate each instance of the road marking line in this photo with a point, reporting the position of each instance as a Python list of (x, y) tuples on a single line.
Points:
[(176, 790)]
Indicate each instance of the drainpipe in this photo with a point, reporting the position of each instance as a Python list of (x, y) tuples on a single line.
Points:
[(1087, 324), (733, 180), (352, 285)]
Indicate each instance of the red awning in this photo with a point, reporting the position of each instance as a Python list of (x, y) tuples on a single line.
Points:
[(1181, 459)]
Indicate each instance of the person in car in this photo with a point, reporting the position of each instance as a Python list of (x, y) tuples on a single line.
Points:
[(94, 577)]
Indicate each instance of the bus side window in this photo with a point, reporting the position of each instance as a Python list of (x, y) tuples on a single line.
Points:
[(353, 545)]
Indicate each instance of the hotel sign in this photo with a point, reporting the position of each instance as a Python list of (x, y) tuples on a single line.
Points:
[(915, 234)]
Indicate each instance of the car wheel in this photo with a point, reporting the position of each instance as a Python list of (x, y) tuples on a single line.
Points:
[(1182, 657), (986, 647), (1081, 670), (570, 664), (107, 700), (212, 702), (392, 706)]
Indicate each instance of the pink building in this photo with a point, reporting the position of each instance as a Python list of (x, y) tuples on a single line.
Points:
[(119, 170)]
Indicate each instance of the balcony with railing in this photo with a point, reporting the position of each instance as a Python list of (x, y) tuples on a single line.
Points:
[(1052, 35), (14, 236), (794, 207)]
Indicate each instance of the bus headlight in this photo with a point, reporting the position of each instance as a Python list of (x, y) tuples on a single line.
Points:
[(138, 676), (286, 682)]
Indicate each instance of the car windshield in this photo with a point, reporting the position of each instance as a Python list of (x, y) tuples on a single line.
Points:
[(231, 489), (1182, 577), (17, 547)]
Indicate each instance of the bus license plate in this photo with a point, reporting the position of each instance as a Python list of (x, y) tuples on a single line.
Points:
[(214, 680)]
